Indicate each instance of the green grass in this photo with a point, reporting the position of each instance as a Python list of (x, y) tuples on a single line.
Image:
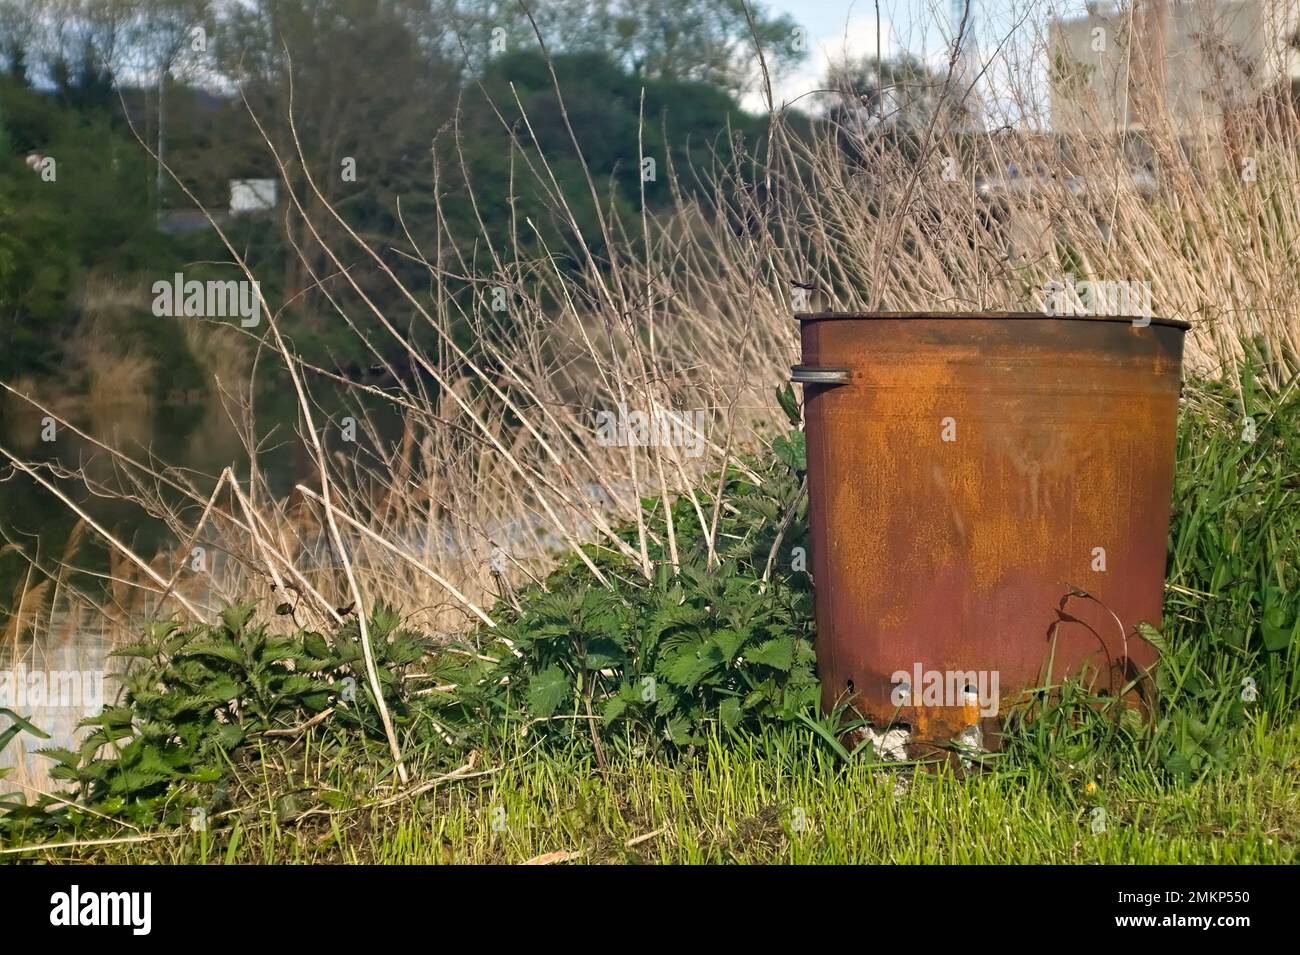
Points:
[(739, 801)]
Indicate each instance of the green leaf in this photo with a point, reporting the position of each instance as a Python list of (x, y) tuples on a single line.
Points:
[(789, 404), (315, 645), (678, 731), (64, 757), (236, 616), (730, 713), (1152, 636), (145, 650), (7, 736), (614, 707), (830, 738), (792, 450), (23, 724), (1179, 765), (222, 650), (689, 664), (547, 690), (671, 616), (1275, 629), (665, 701), (777, 653), (728, 642), (603, 653)]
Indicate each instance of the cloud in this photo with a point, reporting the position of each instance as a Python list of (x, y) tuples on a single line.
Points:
[(853, 41)]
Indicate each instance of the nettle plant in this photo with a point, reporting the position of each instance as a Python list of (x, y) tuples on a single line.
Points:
[(725, 640), (193, 696)]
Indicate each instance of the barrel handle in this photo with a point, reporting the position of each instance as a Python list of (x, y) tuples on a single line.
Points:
[(812, 375)]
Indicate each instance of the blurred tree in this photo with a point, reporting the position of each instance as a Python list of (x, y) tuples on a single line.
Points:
[(897, 100), (376, 89), (19, 28), (367, 93), (708, 41), (687, 123), (92, 213)]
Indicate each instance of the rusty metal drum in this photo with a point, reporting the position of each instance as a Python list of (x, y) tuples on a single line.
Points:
[(990, 498)]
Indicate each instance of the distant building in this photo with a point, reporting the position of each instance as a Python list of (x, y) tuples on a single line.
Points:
[(1113, 68), (252, 195)]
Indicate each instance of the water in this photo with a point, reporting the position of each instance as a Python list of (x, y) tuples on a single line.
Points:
[(54, 682), (55, 667)]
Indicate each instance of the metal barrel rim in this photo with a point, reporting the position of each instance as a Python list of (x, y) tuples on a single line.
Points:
[(1138, 320)]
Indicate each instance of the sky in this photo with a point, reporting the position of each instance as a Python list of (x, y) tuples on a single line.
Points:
[(834, 28)]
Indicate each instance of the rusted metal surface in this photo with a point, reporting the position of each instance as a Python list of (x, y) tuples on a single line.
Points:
[(972, 474)]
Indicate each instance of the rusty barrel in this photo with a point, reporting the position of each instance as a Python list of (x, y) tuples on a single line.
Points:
[(990, 501)]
